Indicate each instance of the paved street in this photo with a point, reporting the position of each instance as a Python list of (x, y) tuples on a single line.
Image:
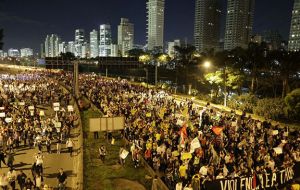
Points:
[(24, 159)]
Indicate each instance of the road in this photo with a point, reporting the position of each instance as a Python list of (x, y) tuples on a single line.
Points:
[(24, 158)]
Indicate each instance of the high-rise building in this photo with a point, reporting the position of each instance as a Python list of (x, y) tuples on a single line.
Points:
[(71, 47), (105, 40), (13, 53), (114, 50), (94, 43), (1, 53), (79, 41), (207, 24), (85, 51), (171, 49), (125, 35), (51, 45), (155, 26), (239, 21), (62, 47), (294, 38), (26, 52), (42, 54)]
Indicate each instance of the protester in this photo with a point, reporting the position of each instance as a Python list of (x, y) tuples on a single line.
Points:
[(2, 157), (21, 178), (70, 145), (61, 177), (184, 139), (29, 184), (12, 177), (102, 153)]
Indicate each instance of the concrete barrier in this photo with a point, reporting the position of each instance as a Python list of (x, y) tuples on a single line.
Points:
[(77, 182)]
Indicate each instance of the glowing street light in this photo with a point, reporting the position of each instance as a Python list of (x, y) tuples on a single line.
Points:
[(144, 58), (207, 64)]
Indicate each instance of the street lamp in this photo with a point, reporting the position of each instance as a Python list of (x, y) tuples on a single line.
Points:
[(207, 64), (145, 59), (161, 59)]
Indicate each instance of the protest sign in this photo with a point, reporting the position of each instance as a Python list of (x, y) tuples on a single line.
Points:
[(124, 154)]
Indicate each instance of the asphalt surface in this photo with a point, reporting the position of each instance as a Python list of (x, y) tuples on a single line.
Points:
[(24, 159)]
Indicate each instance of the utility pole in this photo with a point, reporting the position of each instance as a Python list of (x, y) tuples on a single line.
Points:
[(75, 79), (225, 87)]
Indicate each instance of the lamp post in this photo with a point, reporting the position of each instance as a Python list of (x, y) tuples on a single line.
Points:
[(145, 59), (146, 70), (161, 59), (225, 87)]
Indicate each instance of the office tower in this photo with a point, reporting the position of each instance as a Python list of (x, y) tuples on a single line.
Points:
[(114, 50), (207, 25), (26, 52), (79, 41), (71, 47), (13, 53), (51, 45), (1, 53), (171, 49), (105, 40), (125, 36), (294, 38), (94, 43), (62, 48), (239, 21), (155, 26), (85, 51), (42, 54)]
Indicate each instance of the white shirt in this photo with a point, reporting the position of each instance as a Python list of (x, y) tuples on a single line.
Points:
[(203, 170), (12, 175), (179, 186)]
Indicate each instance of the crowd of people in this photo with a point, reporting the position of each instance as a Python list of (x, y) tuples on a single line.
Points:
[(24, 99), (189, 145)]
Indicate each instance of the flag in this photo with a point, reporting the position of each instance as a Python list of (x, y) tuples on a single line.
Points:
[(185, 112), (162, 113), (183, 134), (254, 181), (217, 130)]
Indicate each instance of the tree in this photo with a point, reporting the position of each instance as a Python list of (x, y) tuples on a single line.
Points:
[(136, 52), (255, 61), (234, 80), (286, 65), (292, 101), (67, 56), (185, 62)]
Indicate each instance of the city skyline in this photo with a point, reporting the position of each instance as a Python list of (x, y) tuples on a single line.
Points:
[(13, 18)]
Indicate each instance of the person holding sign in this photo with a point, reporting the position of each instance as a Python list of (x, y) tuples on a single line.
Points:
[(70, 145), (102, 153), (122, 155)]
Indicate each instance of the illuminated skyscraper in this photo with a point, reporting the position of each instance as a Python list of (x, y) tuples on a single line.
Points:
[(155, 25), (94, 43), (79, 41), (294, 38), (207, 25), (105, 40), (125, 35), (239, 21)]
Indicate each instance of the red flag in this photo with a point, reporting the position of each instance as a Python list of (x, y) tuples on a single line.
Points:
[(217, 130), (183, 133), (254, 181)]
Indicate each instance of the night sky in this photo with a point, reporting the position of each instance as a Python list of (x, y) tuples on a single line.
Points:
[(27, 22)]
